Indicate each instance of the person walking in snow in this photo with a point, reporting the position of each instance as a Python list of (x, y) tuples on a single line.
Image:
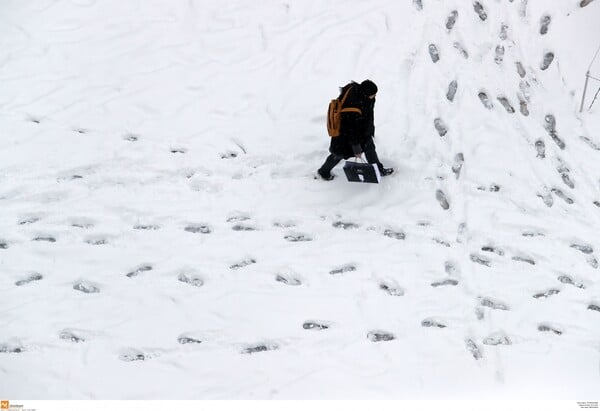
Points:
[(356, 129)]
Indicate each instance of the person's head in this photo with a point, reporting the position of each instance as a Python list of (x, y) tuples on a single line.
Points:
[(368, 88)]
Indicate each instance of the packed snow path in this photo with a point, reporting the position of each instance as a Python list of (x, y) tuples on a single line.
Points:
[(162, 235)]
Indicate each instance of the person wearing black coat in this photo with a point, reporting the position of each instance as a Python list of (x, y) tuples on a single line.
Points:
[(356, 130)]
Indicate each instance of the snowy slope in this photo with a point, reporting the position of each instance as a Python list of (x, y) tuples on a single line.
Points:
[(162, 235)]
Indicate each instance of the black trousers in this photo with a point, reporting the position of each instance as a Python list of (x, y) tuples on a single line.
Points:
[(333, 159)]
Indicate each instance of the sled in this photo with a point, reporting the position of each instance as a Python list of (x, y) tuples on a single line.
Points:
[(361, 172)]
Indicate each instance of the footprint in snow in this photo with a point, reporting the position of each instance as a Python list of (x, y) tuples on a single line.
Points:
[(442, 283), (584, 248), (146, 227), (548, 58), (85, 225), (473, 349), (288, 279), (434, 53), (432, 323), (520, 69), (452, 88), (546, 294), (397, 235), (523, 259), (3, 245), (523, 106), (550, 328), (540, 147), (546, 198), (503, 31), (242, 264), (75, 336), (478, 7), (459, 160), (131, 137), (559, 142), (96, 240), (594, 307), (297, 237), (186, 339), (506, 104), (261, 347), (499, 56), (492, 249), (190, 279), (565, 279), (45, 238), (479, 313), (379, 335), (243, 227), (28, 220), (560, 194), (461, 50), (440, 126), (441, 198), (485, 100), (178, 150), (133, 354), (441, 242), (544, 24), (493, 304), (236, 218), (391, 289), (346, 225), (284, 224), (584, 3), (315, 325), (451, 20), (497, 338), (493, 188), (140, 269), (419, 4), (479, 259), (228, 155), (86, 287), (198, 228), (31, 278), (550, 122), (343, 269), (12, 347)]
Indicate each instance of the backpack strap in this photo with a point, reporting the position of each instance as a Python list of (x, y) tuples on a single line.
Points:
[(348, 109)]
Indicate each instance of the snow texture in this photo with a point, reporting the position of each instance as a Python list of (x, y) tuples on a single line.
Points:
[(162, 235)]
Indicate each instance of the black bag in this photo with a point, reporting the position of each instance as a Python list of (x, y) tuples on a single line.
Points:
[(362, 172)]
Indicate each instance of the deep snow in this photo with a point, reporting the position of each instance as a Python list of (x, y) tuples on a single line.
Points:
[(162, 235)]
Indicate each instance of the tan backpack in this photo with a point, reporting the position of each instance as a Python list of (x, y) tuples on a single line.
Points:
[(334, 114)]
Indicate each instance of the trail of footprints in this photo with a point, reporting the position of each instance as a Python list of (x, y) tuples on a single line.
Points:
[(505, 100), (239, 223), (390, 288)]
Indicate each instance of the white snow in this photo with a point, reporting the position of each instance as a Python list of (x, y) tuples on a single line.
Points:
[(160, 156)]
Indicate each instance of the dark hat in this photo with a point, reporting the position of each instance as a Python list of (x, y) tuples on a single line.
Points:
[(368, 88)]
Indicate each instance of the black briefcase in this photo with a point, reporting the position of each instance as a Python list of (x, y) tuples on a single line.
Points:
[(358, 172)]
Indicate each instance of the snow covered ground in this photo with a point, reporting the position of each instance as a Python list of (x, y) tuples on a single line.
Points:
[(162, 236)]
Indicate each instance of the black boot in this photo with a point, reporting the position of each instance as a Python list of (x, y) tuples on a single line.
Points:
[(326, 177), (325, 170), (385, 171)]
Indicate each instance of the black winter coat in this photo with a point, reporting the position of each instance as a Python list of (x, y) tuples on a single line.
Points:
[(356, 129)]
